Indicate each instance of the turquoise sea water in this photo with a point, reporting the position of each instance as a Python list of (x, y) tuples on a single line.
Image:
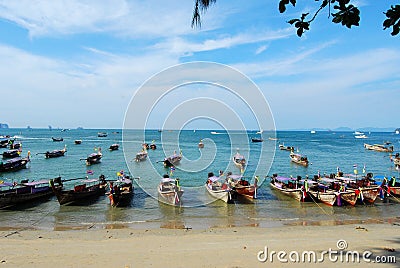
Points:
[(325, 150)]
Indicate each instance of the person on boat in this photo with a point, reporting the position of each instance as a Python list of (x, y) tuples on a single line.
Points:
[(384, 189)]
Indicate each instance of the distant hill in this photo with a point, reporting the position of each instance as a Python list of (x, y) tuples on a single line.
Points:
[(343, 129), (3, 125)]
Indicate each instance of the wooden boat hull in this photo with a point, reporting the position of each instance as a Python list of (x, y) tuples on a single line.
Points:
[(173, 198), (54, 154), (10, 166), (24, 195), (140, 157), (245, 192), (72, 197), (350, 197), (394, 191), (369, 194), (238, 164), (378, 148), (114, 147), (11, 154), (293, 193), (298, 161), (123, 199), (286, 148), (4, 143), (328, 198), (96, 159), (224, 195), (169, 162)]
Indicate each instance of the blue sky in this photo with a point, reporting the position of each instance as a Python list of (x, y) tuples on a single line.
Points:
[(78, 63)]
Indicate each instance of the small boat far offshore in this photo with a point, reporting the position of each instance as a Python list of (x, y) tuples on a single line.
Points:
[(299, 159)]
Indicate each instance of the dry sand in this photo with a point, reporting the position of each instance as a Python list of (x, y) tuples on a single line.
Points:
[(218, 247)]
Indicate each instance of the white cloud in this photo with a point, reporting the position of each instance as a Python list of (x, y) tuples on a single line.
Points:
[(59, 92), (182, 46), (121, 17), (261, 49), (350, 91)]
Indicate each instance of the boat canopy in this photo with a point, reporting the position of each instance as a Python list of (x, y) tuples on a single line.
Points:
[(124, 180), (239, 156), (167, 180), (214, 178), (90, 180), (33, 183), (235, 177), (285, 179), (6, 184)]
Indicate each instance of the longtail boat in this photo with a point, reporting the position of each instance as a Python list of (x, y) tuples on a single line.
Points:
[(93, 158), (55, 153), (169, 191), (15, 145), (172, 160), (88, 190), (58, 139), (14, 164), (4, 143), (294, 188), (121, 192), (14, 194), (219, 190), (201, 144), (299, 159), (239, 160), (338, 187), (113, 147), (379, 147), (153, 146), (11, 153), (244, 190), (141, 156), (365, 187), (286, 148)]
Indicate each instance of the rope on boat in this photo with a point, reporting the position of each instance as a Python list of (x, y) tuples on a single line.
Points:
[(319, 206), (398, 200)]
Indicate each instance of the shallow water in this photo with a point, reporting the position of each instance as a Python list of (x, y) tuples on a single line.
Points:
[(325, 150)]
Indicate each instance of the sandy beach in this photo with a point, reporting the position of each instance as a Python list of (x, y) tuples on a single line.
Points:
[(217, 247)]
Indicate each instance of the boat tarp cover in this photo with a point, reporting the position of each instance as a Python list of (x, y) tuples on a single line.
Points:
[(33, 183)]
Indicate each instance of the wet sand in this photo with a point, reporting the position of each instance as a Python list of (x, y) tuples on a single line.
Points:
[(214, 247)]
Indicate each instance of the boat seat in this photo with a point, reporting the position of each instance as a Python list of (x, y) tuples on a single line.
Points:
[(80, 188)]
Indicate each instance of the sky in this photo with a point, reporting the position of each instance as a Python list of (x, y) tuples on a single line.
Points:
[(71, 64)]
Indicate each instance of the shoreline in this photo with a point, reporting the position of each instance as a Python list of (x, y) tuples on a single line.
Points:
[(173, 225), (214, 247)]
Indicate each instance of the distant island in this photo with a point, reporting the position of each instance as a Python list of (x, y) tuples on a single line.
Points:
[(3, 125)]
